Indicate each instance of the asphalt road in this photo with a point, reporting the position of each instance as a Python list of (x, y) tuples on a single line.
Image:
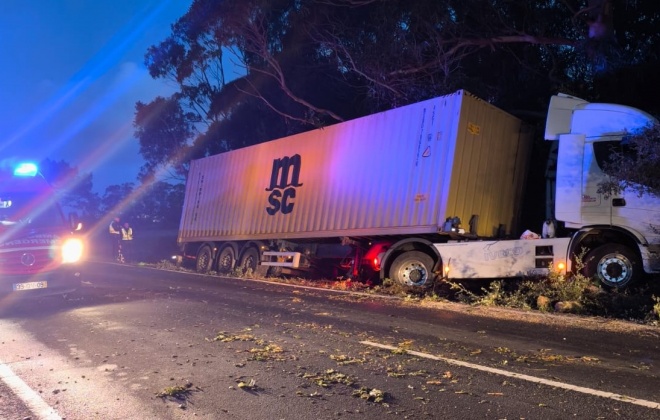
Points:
[(138, 343)]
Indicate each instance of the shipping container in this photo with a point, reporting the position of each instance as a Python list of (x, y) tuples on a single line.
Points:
[(398, 172)]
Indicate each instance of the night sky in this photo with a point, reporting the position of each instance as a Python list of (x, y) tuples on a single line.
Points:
[(72, 71)]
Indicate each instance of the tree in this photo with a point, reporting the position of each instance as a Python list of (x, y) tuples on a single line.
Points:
[(159, 205), (634, 164), (310, 63), (117, 200), (163, 129), (75, 189)]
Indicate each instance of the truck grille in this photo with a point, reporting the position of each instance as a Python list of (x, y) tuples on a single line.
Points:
[(27, 261)]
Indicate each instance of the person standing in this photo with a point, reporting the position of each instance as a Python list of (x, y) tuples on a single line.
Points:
[(127, 241), (115, 236)]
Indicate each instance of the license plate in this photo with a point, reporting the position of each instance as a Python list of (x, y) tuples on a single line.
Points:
[(31, 285)]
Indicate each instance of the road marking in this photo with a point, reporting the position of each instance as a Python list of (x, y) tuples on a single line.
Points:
[(35, 403), (590, 391)]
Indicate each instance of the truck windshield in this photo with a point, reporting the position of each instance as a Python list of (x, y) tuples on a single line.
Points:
[(19, 208), (607, 153)]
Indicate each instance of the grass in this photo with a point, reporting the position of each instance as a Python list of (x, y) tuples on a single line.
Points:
[(572, 293)]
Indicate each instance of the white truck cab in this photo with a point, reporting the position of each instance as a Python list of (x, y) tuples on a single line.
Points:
[(620, 231)]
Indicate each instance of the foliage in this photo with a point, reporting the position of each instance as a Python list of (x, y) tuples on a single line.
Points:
[(163, 129), (574, 291), (563, 293), (177, 392), (75, 188), (634, 166), (158, 204), (117, 199), (254, 70)]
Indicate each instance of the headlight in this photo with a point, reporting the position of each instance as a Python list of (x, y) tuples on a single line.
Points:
[(72, 250)]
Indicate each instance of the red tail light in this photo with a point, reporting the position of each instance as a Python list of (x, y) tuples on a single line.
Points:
[(375, 254), (375, 264)]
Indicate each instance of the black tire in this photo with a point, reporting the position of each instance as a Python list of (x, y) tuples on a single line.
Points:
[(274, 271), (614, 266), (250, 260), (413, 269), (204, 260), (226, 260)]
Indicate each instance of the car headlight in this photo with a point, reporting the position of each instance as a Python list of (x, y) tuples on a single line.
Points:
[(72, 250)]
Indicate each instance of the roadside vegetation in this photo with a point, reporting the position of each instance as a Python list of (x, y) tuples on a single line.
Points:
[(556, 293), (574, 294)]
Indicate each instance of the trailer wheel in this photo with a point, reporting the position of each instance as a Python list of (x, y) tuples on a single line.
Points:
[(204, 259), (413, 269), (226, 260), (615, 266), (250, 260)]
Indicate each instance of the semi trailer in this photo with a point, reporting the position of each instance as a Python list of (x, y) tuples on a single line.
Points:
[(426, 191)]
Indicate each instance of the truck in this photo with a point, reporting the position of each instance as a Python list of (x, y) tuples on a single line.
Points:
[(40, 249), (385, 196)]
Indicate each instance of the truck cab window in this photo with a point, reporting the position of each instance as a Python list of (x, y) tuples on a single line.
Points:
[(604, 151)]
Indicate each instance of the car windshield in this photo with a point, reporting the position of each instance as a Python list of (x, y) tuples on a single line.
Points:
[(19, 208)]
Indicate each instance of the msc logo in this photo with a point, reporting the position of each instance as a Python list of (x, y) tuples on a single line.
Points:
[(283, 183)]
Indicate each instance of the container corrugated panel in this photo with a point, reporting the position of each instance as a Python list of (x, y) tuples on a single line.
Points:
[(489, 167), (402, 171)]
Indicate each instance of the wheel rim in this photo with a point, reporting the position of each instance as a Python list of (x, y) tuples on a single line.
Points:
[(249, 263), (225, 262), (615, 269), (250, 260), (203, 261), (414, 274)]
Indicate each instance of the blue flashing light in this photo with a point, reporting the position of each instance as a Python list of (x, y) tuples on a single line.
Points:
[(26, 169)]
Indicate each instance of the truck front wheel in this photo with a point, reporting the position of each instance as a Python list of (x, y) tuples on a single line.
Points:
[(615, 266), (204, 259), (413, 269)]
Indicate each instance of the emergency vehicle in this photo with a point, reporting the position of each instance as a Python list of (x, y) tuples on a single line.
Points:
[(40, 248)]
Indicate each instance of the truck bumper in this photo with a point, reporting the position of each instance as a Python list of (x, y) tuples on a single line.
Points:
[(651, 258), (62, 280)]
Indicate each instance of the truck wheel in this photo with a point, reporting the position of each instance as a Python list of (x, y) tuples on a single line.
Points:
[(274, 271), (413, 269), (613, 265), (226, 260), (204, 259), (250, 260)]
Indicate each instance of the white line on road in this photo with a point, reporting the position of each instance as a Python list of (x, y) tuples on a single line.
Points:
[(35, 403), (610, 395)]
